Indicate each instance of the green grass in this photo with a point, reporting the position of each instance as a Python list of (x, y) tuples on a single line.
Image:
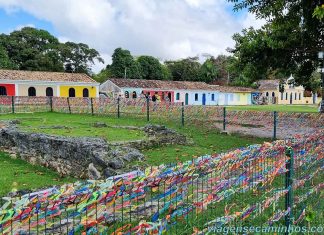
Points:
[(76, 125), (18, 174), (204, 141), (279, 108)]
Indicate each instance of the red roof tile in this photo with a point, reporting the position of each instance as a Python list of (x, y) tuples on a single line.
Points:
[(44, 76)]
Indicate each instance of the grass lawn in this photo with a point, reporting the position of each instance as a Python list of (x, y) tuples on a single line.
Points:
[(204, 141), (279, 108), (18, 174), (74, 125)]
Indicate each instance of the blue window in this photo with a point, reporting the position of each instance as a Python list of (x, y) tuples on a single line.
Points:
[(85, 92), (213, 97), (196, 97), (178, 96)]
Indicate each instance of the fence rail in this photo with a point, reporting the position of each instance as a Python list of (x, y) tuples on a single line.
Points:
[(257, 123), (249, 186)]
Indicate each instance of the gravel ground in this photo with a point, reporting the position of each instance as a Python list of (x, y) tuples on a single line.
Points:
[(267, 132)]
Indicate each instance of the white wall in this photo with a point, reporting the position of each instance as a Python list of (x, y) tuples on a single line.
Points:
[(192, 101)]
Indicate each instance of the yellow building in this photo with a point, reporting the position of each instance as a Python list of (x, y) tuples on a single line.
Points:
[(270, 93), (35, 83)]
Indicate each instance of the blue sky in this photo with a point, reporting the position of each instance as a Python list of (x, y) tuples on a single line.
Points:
[(14, 20), (168, 29)]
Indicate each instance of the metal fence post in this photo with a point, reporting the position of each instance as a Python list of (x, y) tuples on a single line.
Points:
[(275, 119), (68, 101), (91, 100), (224, 119), (51, 103), (13, 104), (182, 115), (148, 109), (118, 107), (289, 200)]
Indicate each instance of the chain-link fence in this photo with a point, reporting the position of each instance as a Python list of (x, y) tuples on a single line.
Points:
[(274, 185), (255, 123)]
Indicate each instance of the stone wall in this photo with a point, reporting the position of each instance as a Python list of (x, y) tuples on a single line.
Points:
[(82, 157)]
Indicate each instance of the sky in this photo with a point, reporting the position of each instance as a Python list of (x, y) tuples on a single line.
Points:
[(166, 29)]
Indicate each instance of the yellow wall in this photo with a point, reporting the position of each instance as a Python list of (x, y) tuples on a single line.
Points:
[(40, 89), (245, 98), (64, 91), (284, 100)]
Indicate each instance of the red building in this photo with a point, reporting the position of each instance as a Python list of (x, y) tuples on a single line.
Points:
[(162, 94), (7, 89)]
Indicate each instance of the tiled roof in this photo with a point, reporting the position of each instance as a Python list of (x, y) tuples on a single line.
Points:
[(159, 84), (175, 85), (44, 76), (232, 88), (268, 84)]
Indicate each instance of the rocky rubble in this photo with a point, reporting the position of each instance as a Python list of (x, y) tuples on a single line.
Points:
[(82, 157)]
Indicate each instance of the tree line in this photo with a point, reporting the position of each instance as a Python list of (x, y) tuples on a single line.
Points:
[(124, 65), (37, 50)]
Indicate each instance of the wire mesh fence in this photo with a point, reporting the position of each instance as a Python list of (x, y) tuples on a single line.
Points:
[(256, 123), (274, 184)]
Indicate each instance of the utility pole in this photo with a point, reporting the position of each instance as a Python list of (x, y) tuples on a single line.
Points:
[(125, 73), (321, 58)]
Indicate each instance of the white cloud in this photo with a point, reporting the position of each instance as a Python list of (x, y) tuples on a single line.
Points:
[(251, 20), (167, 29), (19, 27)]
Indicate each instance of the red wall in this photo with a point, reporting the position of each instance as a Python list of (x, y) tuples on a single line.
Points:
[(10, 89), (160, 93)]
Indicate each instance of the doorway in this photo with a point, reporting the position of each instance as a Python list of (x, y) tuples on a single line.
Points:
[(204, 99), (186, 99)]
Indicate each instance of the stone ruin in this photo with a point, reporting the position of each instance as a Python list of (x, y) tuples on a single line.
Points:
[(83, 157)]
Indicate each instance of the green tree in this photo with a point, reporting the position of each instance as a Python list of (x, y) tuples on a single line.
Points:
[(185, 70), (151, 68), (103, 75), (78, 57), (5, 62), (36, 49), (319, 12), (209, 71), (315, 82), (166, 73), (124, 63), (288, 43), (33, 49)]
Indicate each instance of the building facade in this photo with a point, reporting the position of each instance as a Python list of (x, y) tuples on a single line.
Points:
[(35, 83), (272, 92), (190, 93)]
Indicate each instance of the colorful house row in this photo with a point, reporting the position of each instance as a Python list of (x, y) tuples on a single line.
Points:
[(35, 83), (190, 93)]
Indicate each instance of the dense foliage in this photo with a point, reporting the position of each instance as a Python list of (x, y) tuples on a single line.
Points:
[(38, 50), (218, 70), (287, 44)]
